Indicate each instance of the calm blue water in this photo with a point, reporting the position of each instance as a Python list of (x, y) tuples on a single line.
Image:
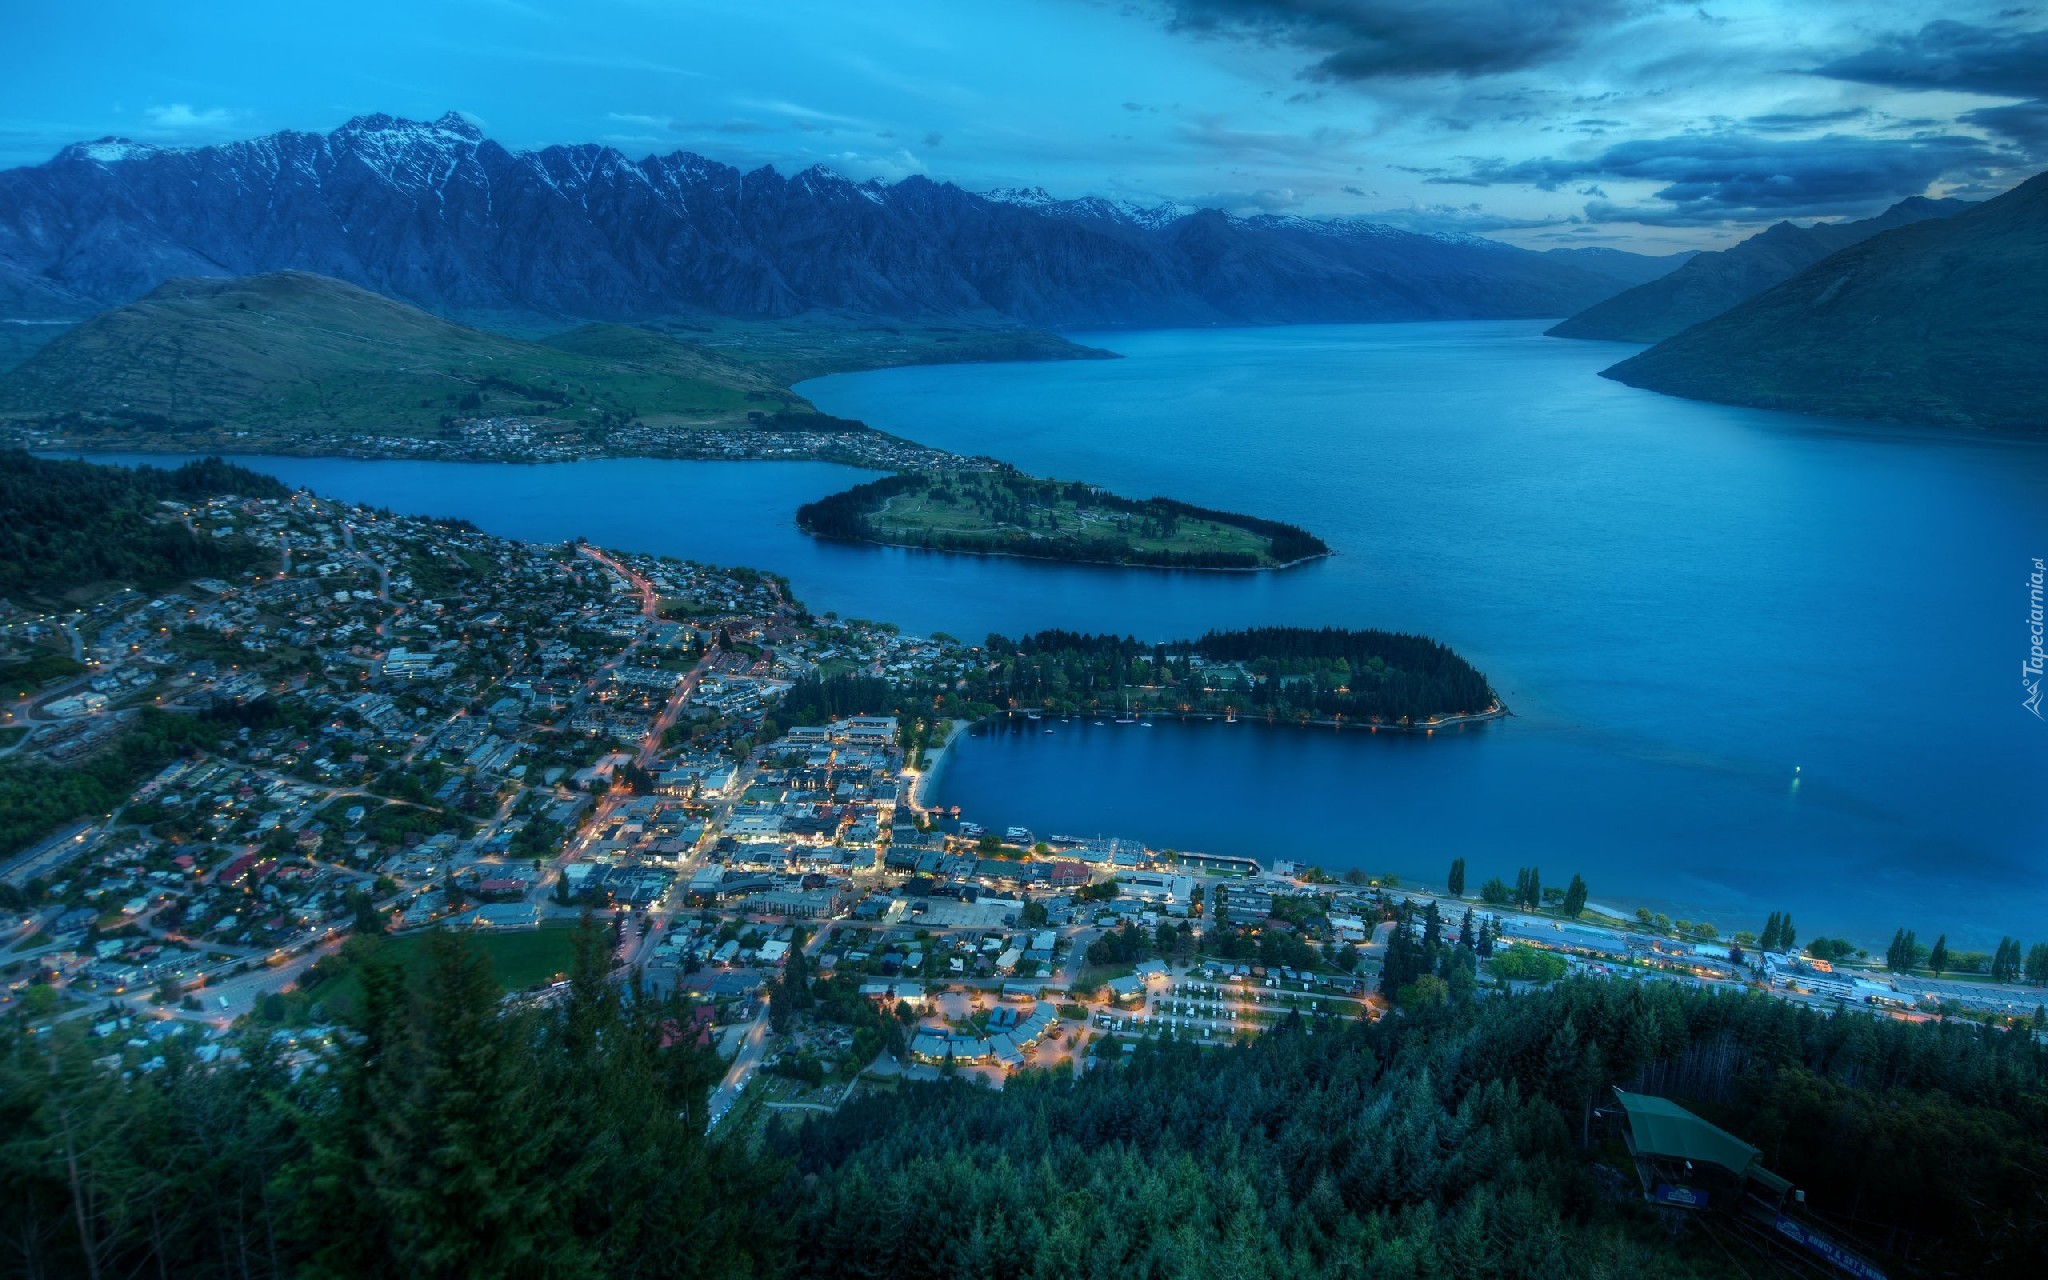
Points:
[(1682, 602)]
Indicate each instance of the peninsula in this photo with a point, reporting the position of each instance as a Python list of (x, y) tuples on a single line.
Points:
[(295, 363), (1324, 675)]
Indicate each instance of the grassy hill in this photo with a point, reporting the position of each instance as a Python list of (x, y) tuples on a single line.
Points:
[(1940, 323), (293, 352), (813, 345)]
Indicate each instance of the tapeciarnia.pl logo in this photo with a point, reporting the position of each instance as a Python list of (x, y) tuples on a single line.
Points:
[(2030, 670)]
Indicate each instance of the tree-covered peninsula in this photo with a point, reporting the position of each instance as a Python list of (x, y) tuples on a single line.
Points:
[(1284, 673), (1004, 512)]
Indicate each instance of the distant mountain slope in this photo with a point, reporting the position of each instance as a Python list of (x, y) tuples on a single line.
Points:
[(295, 350), (1943, 322), (1618, 264), (1713, 282), (441, 217)]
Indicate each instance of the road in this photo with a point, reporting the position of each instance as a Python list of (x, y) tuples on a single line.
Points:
[(54, 851), (754, 1045), (634, 953)]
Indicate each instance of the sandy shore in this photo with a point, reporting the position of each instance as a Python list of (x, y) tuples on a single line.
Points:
[(934, 764)]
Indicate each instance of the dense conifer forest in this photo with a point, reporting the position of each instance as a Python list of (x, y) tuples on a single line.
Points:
[(450, 1135), (74, 523)]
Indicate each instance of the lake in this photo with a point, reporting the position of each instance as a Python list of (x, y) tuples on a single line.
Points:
[(1758, 661)]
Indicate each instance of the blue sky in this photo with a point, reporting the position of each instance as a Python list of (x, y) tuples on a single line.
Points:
[(1627, 122)]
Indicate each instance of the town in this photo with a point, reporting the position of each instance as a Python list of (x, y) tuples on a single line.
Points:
[(394, 725), (526, 438)]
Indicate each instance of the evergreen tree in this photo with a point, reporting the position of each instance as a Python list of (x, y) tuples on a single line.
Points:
[(1937, 959), (368, 920), (1769, 939), (2005, 961), (1456, 884), (1575, 896), (1465, 938), (1535, 889), (1399, 967), (1788, 937), (2037, 964)]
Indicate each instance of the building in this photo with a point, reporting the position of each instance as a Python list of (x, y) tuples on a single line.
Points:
[(815, 904)]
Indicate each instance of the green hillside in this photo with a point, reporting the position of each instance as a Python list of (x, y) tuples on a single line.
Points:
[(291, 353), (816, 344), (1940, 323)]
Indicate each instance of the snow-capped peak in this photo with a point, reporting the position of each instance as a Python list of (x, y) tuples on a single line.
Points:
[(1024, 197), (378, 122), (109, 150), (411, 153), (1127, 212)]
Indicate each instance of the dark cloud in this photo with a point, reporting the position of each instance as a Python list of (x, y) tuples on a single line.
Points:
[(1214, 133), (1800, 122), (1395, 39), (2024, 122), (1709, 178), (1952, 55)]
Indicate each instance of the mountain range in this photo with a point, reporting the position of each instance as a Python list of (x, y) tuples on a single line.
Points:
[(439, 216), (1942, 322), (1710, 283)]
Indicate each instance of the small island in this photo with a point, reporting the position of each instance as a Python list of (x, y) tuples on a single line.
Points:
[(1001, 511)]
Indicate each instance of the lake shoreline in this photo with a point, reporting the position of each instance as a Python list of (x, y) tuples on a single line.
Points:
[(1095, 564), (1182, 717), (934, 765)]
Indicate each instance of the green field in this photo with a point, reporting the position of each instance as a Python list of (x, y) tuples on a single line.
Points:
[(519, 959)]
